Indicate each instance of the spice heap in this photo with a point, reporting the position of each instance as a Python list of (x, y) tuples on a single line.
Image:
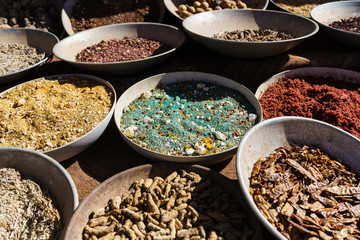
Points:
[(329, 100), (126, 49), (306, 194), (182, 206), (89, 14), (249, 35), (199, 6), (301, 7), (188, 118), (350, 24), (44, 114), (15, 57), (26, 211)]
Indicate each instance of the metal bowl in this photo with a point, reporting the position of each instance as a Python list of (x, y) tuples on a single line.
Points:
[(270, 134), (167, 78), (67, 48), (328, 13), (41, 40), (121, 182), (203, 26), (70, 4), (75, 147), (48, 173), (172, 5)]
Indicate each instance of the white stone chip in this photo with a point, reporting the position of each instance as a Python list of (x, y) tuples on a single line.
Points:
[(220, 135), (130, 131), (145, 95), (252, 117)]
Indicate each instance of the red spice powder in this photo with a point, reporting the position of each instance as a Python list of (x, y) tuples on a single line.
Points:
[(329, 100)]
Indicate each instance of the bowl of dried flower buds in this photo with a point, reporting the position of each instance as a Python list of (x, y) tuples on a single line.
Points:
[(22, 50), (58, 115), (300, 177), (249, 33), (37, 195), (121, 48), (182, 9), (186, 117), (340, 20), (164, 201)]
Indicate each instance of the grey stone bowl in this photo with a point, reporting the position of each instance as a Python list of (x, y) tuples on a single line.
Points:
[(265, 137), (41, 40), (121, 182), (203, 26), (68, 47), (167, 78), (327, 13), (48, 173)]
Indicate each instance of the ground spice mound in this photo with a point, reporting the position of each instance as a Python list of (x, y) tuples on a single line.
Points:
[(329, 100)]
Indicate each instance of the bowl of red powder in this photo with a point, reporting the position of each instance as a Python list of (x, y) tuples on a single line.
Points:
[(330, 95)]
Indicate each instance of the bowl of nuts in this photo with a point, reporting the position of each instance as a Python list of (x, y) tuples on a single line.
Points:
[(120, 49), (57, 115), (294, 170), (186, 117), (182, 9), (340, 20), (22, 51), (249, 33), (164, 201)]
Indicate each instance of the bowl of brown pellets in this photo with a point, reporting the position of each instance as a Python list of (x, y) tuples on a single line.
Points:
[(37, 195), (120, 49), (22, 51), (164, 201), (249, 33)]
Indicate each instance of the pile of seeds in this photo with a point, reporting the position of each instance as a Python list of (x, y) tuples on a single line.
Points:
[(306, 194), (182, 206), (15, 57), (44, 114), (26, 211), (199, 6), (126, 49), (188, 118), (248, 35), (350, 24), (301, 7)]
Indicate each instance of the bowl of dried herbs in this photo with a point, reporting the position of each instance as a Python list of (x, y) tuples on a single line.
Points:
[(22, 51), (186, 117), (37, 195), (249, 33), (300, 177)]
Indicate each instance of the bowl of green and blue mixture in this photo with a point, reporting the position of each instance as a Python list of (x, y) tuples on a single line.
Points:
[(189, 117)]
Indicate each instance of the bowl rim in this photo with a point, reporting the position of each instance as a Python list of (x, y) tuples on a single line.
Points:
[(200, 159), (87, 77), (249, 199), (316, 26), (333, 29), (120, 26)]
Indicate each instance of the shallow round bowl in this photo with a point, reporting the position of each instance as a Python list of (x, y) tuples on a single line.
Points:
[(121, 182), (328, 13), (203, 26), (167, 78), (67, 48), (265, 137), (49, 174), (41, 40)]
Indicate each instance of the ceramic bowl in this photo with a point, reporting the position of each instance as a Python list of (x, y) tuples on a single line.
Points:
[(41, 40), (70, 4), (172, 5), (75, 147), (67, 48), (167, 78), (265, 137), (328, 13), (203, 26), (48, 173), (121, 182)]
